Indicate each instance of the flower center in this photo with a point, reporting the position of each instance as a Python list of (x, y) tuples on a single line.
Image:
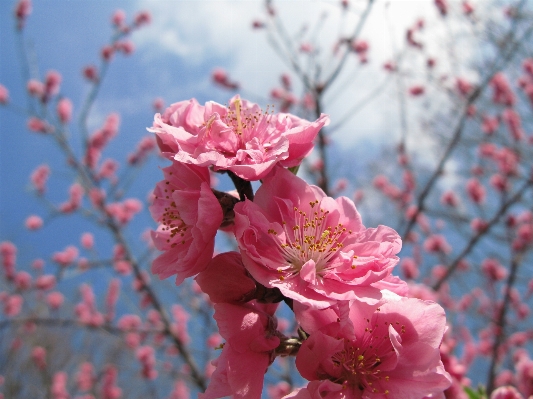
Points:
[(171, 219), (360, 360), (310, 237), (250, 123)]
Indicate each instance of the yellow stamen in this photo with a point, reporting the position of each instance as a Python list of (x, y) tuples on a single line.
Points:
[(238, 112)]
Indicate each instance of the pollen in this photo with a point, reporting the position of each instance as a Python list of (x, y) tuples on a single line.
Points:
[(238, 115), (308, 236)]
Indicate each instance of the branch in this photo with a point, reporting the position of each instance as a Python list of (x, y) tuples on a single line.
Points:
[(500, 322), (475, 238), (458, 131)]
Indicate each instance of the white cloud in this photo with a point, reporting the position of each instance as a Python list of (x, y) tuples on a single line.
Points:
[(206, 30)]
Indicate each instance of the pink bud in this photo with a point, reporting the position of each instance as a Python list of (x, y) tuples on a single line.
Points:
[(409, 268), (225, 279), (83, 264), (220, 77), (22, 11), (38, 355), (66, 257), (158, 104), (118, 18), (493, 270), (34, 222), (360, 46), (4, 95), (125, 46), (468, 8), (37, 125), (90, 72), (39, 177), (45, 282), (442, 6), (143, 18), (23, 280), (416, 90), (13, 305), (51, 83), (55, 300), (87, 240), (64, 110), (35, 88), (107, 53), (38, 264), (507, 392), (257, 24)]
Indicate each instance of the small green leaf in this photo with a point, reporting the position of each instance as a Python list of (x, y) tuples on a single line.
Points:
[(294, 169), (477, 394)]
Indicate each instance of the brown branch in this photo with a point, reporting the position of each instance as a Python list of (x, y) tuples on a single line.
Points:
[(354, 36), (498, 63), (58, 322), (196, 376), (475, 238), (500, 322)]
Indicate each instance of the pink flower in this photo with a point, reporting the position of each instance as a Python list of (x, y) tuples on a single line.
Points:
[(279, 390), (514, 123), (45, 282), (85, 377), (59, 386), (475, 191), (241, 137), (109, 389), (464, 87), (126, 46), (313, 248), (436, 243), (524, 375), (189, 215), (386, 350), (409, 268), (507, 392), (146, 356), (502, 93), (251, 338), (226, 279), (13, 305), (449, 198), (67, 257)]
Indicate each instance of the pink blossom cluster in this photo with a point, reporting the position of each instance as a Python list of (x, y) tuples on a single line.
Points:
[(360, 335)]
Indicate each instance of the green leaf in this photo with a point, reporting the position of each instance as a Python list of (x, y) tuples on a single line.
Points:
[(477, 394), (294, 169)]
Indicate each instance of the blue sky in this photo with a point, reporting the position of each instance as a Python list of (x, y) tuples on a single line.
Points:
[(173, 59)]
